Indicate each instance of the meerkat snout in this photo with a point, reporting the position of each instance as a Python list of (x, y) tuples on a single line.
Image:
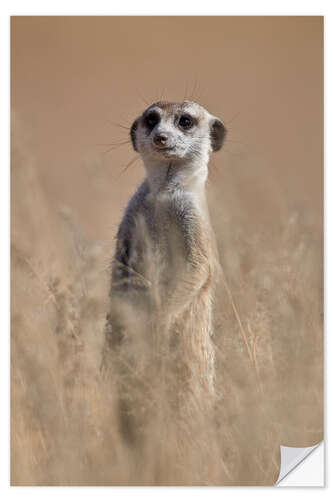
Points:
[(161, 140), (178, 131)]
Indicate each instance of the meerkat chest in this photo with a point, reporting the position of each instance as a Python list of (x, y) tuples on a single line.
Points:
[(174, 219)]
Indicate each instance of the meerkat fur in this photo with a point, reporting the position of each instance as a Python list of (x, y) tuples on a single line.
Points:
[(165, 267)]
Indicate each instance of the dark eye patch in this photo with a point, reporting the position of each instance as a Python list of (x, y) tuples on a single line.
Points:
[(151, 119), (186, 121)]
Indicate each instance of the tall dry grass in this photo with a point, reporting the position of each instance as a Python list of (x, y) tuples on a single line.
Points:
[(268, 341)]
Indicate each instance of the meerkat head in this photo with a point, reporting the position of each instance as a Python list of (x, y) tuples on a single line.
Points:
[(176, 132)]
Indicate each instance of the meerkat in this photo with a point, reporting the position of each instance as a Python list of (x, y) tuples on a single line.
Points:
[(165, 264)]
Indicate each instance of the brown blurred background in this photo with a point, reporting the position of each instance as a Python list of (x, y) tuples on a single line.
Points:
[(75, 83), (72, 75)]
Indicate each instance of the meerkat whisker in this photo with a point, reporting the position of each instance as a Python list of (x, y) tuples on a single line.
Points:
[(116, 146), (130, 163)]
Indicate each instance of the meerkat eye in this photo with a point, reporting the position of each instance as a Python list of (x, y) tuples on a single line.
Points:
[(186, 122), (152, 119)]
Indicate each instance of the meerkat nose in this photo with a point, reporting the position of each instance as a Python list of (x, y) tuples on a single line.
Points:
[(160, 139)]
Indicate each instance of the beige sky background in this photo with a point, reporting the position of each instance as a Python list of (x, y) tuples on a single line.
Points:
[(72, 76)]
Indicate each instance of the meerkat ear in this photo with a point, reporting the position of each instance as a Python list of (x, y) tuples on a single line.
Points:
[(217, 134), (133, 133)]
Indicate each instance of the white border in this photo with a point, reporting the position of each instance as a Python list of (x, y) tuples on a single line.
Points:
[(172, 7)]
